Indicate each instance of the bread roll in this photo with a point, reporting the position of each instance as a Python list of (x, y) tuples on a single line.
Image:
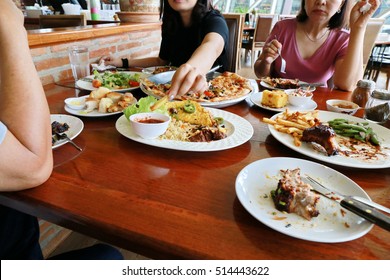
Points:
[(104, 104)]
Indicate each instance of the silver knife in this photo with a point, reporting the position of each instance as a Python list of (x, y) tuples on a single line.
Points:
[(361, 209)]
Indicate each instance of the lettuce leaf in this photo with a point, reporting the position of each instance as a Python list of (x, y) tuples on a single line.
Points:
[(143, 106)]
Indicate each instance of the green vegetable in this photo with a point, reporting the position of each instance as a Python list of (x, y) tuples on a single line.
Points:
[(189, 107), (219, 120), (143, 106), (116, 80)]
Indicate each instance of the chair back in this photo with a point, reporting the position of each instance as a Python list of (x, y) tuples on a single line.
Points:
[(235, 23), (373, 28), (52, 21), (264, 25)]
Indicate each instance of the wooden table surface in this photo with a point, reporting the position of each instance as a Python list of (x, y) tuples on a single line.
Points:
[(168, 204)]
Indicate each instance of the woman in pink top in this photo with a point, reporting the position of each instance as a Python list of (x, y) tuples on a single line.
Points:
[(315, 46)]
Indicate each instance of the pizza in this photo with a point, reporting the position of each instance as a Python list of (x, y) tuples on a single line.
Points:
[(227, 86), (281, 83)]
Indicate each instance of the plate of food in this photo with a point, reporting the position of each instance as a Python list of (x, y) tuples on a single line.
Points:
[(158, 69), (278, 101), (101, 102), (70, 125), (334, 138), (281, 83), (325, 221), (113, 80), (225, 90), (192, 127)]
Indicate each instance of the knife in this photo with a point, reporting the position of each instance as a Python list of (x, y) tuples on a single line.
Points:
[(361, 209), (311, 84)]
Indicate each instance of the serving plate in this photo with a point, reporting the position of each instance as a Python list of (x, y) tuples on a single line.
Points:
[(239, 131), (324, 116), (256, 98), (300, 83), (255, 182), (75, 127), (86, 83)]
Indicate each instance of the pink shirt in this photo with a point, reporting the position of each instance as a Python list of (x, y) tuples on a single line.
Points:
[(317, 68)]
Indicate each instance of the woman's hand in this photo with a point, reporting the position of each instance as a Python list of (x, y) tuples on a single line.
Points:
[(270, 51), (187, 79), (357, 18), (111, 60)]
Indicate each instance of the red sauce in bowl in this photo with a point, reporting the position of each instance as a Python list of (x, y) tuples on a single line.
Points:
[(150, 120)]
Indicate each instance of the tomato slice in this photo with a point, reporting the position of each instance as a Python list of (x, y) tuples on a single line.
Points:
[(133, 83), (208, 93)]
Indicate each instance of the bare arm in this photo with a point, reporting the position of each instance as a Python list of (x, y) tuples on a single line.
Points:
[(25, 154), (191, 75), (268, 55), (353, 60)]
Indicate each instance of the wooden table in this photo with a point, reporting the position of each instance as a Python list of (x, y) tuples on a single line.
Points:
[(173, 204)]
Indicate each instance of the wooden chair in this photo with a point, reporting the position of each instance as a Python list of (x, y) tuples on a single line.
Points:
[(235, 23), (264, 25), (52, 21)]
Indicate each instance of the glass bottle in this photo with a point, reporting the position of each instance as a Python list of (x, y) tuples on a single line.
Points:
[(377, 108), (362, 92)]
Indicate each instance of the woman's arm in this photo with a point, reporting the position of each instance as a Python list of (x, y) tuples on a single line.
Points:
[(268, 55), (349, 69), (191, 75), (25, 153)]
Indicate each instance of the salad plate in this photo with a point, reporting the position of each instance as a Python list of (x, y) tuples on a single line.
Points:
[(75, 127), (239, 131), (256, 98), (86, 82), (255, 182)]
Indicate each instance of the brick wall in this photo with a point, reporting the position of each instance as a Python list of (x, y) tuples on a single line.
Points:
[(52, 62)]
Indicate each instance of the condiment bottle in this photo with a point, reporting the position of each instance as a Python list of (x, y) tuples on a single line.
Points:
[(95, 9), (378, 106), (362, 92)]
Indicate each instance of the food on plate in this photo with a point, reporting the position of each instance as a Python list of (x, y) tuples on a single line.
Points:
[(281, 83), (306, 92), (274, 98), (105, 101), (115, 80), (161, 69), (294, 123), (357, 130), (190, 122), (292, 195), (324, 136), (57, 130), (227, 86)]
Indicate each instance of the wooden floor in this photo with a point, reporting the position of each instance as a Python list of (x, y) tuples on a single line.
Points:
[(56, 240)]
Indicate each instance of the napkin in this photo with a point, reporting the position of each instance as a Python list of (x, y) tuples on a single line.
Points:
[(102, 67)]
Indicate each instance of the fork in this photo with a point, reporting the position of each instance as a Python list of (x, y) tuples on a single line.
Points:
[(283, 66), (65, 137), (358, 198)]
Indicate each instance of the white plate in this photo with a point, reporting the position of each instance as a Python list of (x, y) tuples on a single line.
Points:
[(150, 70), (256, 98), (88, 85), (264, 84), (255, 182), (239, 131), (307, 149), (75, 127), (93, 114), (219, 104)]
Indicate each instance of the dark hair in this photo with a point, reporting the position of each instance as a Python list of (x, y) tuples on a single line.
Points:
[(336, 21), (171, 18)]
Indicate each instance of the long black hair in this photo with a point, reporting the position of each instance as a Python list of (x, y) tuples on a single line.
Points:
[(171, 19), (338, 20)]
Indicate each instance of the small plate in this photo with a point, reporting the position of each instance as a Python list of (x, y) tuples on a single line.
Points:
[(256, 98), (75, 127), (256, 180), (150, 70)]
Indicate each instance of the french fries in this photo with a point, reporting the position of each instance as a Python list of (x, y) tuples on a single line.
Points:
[(294, 123)]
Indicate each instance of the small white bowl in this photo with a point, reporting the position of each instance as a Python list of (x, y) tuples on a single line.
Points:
[(299, 97), (147, 126), (342, 106), (75, 103)]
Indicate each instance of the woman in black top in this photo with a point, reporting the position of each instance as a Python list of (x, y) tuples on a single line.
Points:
[(194, 38)]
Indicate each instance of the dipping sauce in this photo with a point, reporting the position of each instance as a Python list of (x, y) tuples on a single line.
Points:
[(344, 106), (149, 120)]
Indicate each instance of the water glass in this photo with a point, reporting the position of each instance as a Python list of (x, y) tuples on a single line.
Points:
[(79, 61)]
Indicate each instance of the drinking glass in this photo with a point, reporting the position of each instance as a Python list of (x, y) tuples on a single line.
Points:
[(79, 61)]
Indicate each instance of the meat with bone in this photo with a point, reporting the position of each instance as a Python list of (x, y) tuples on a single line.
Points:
[(324, 136)]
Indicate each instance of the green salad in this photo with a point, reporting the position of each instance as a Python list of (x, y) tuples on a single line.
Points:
[(115, 80)]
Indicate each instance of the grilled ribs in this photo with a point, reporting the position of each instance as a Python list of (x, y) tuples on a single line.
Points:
[(324, 136)]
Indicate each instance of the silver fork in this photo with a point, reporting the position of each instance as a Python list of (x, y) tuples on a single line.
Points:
[(283, 61), (67, 139), (358, 198)]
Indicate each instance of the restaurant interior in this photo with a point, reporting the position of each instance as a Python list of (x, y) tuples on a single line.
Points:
[(190, 205)]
